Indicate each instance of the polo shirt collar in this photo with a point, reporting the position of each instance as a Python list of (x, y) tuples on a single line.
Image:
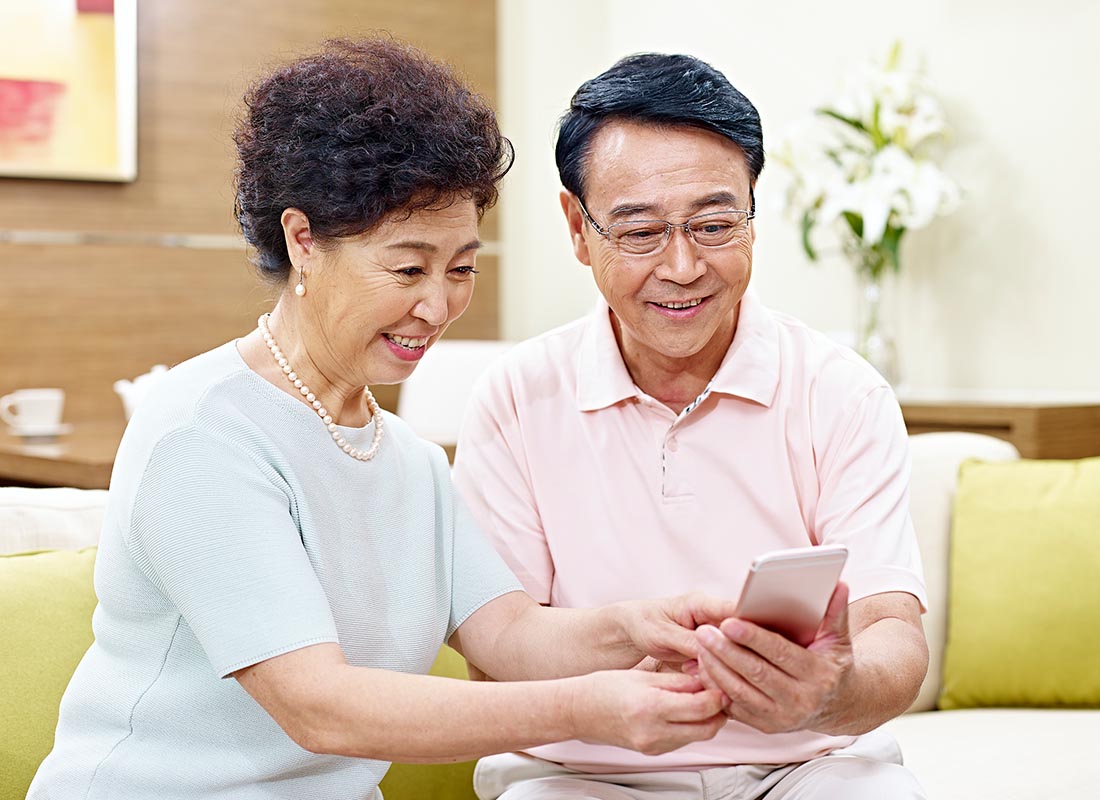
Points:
[(749, 370), (603, 379), (751, 367)]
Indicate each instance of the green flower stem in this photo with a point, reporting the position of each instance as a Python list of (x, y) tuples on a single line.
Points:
[(872, 259)]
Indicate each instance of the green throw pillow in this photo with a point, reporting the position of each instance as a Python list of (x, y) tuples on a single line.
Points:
[(46, 604), (1023, 625)]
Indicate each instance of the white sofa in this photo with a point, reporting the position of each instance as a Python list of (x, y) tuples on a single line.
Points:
[(999, 754)]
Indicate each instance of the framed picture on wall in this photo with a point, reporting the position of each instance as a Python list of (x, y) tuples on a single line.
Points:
[(68, 89)]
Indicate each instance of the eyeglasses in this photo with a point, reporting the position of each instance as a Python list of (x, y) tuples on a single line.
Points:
[(647, 237)]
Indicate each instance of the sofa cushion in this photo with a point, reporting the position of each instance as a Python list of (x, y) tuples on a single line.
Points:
[(1025, 586), (936, 460), (46, 604), (1003, 753), (41, 519)]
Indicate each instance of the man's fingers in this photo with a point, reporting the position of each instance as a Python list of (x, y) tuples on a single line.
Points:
[(777, 650), (836, 615), (717, 672)]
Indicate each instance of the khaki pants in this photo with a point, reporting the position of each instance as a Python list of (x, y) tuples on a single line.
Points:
[(870, 769)]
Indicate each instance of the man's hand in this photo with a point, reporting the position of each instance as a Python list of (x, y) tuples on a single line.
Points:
[(773, 684), (664, 629)]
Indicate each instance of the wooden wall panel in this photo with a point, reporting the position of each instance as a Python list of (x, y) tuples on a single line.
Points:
[(195, 59), (81, 316)]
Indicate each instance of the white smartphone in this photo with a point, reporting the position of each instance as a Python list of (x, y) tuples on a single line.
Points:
[(787, 591)]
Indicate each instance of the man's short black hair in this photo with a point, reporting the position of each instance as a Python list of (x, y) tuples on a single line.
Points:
[(660, 89)]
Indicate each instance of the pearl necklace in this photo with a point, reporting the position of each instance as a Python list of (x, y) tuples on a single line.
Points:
[(318, 406)]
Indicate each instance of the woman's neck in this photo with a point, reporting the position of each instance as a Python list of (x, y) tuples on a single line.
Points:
[(305, 352)]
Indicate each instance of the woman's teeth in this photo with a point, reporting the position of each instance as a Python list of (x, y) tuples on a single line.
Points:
[(406, 342), (688, 304)]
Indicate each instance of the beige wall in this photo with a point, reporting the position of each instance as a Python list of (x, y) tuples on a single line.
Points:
[(1004, 295)]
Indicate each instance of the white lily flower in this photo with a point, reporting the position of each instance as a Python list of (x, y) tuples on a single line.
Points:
[(862, 155), (930, 193), (892, 172)]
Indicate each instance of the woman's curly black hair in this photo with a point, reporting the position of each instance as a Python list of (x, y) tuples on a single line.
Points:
[(354, 133)]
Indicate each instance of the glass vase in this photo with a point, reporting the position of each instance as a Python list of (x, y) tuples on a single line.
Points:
[(874, 335)]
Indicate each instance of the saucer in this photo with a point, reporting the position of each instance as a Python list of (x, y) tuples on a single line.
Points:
[(40, 431)]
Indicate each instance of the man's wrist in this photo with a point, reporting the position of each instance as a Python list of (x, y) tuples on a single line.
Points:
[(840, 711)]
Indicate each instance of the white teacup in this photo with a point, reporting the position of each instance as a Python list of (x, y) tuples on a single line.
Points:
[(38, 409)]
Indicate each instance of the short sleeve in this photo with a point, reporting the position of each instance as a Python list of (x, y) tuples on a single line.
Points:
[(864, 474), (480, 574), (492, 476), (212, 529)]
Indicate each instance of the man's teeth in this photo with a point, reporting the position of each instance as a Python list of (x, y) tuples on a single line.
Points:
[(688, 304), (405, 341)]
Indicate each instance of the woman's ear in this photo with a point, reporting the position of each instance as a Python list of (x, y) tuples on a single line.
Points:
[(574, 218), (299, 240)]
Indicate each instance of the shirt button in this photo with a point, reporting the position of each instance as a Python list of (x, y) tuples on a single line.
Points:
[(673, 444)]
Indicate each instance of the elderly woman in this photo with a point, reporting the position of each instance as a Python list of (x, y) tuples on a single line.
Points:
[(281, 560)]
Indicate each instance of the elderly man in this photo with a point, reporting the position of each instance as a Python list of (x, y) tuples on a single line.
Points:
[(679, 431)]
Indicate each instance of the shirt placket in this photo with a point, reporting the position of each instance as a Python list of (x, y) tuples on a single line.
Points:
[(670, 447)]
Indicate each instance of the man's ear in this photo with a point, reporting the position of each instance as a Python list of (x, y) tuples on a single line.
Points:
[(299, 240), (752, 225), (571, 207)]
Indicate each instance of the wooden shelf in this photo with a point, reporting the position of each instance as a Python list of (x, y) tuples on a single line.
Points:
[(1047, 429)]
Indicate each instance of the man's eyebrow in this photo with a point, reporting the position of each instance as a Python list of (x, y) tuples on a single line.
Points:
[(723, 199), (633, 210), (415, 244)]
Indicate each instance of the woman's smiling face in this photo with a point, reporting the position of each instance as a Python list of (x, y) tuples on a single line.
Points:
[(375, 303)]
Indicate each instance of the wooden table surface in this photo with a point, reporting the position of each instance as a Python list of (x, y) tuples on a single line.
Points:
[(81, 458)]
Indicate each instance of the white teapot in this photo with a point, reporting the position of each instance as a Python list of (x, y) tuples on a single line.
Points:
[(131, 392)]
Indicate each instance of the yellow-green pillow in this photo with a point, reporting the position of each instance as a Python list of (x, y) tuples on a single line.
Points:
[(46, 604), (1023, 626)]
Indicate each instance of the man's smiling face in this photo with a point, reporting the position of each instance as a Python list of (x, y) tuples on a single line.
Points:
[(680, 303)]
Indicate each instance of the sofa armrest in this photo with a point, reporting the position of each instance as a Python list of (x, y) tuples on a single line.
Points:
[(936, 461), (50, 519)]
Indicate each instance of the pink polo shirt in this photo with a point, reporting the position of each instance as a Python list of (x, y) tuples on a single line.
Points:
[(595, 492)]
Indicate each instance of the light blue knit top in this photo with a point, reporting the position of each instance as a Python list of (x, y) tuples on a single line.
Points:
[(236, 531)]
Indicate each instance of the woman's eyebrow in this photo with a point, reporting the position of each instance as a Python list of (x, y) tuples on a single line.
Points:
[(416, 244)]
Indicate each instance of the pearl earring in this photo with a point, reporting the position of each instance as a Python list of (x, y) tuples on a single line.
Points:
[(300, 289)]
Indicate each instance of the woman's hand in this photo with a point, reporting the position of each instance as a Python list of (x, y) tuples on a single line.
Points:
[(644, 711), (664, 629)]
